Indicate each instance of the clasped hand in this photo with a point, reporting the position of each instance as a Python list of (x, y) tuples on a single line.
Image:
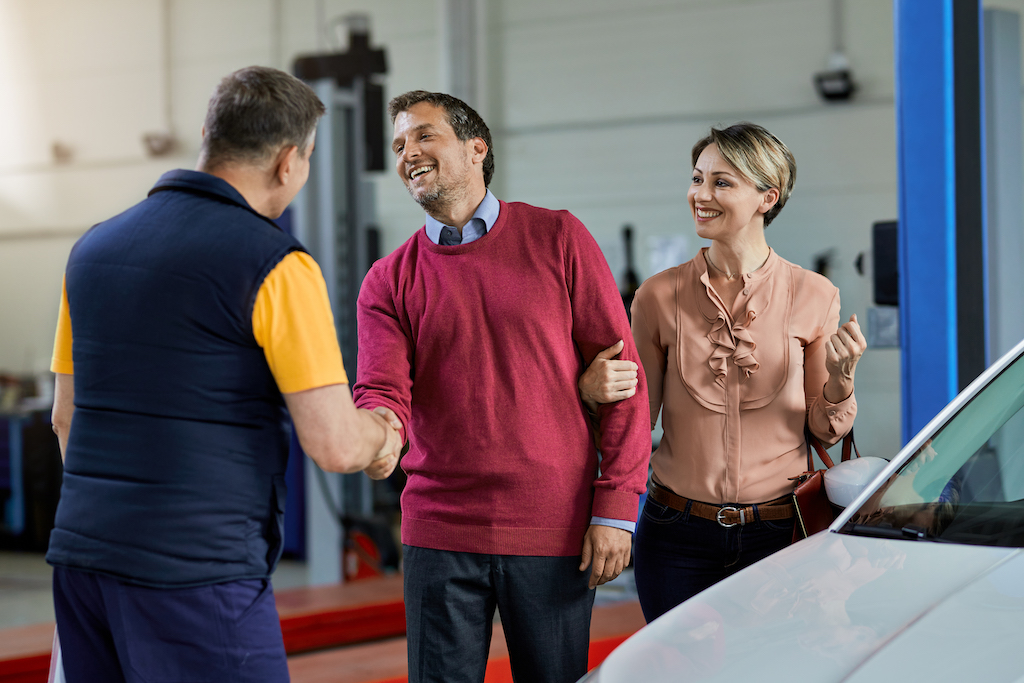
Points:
[(386, 460)]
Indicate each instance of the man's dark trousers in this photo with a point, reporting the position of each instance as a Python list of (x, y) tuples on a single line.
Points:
[(450, 597), (113, 632)]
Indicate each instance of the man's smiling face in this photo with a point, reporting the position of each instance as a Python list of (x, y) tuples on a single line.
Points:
[(433, 163)]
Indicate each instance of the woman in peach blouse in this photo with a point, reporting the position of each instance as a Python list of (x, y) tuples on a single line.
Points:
[(741, 350)]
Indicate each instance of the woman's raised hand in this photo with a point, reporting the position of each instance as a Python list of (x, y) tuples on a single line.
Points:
[(842, 352)]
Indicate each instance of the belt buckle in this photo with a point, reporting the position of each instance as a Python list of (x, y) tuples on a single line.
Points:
[(729, 508)]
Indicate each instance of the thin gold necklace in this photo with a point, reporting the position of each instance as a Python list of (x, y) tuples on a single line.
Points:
[(732, 276)]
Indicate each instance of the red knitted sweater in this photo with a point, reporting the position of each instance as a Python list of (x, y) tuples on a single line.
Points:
[(478, 349)]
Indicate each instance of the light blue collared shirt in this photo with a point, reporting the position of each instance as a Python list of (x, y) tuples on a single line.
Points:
[(479, 225)]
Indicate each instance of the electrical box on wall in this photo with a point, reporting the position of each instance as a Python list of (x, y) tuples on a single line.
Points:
[(883, 327)]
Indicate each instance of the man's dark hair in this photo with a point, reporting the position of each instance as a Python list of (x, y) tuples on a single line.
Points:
[(463, 119), (256, 110)]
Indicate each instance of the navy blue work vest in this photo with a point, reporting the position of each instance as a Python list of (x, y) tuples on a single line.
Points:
[(174, 472)]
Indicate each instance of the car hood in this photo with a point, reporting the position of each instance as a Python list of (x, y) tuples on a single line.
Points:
[(844, 608)]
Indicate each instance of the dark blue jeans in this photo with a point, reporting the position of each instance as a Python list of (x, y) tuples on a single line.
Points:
[(115, 632), (450, 598), (677, 554)]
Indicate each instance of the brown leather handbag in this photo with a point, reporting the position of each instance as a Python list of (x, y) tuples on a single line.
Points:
[(814, 512)]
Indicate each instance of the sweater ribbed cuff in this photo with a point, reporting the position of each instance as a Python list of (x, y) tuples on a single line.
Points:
[(616, 504)]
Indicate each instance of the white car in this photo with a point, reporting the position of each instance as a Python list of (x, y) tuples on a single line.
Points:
[(921, 578)]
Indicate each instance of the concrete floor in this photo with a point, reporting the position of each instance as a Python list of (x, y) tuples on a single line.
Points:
[(25, 578), (24, 589)]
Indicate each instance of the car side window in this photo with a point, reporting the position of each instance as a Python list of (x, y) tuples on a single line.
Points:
[(966, 483)]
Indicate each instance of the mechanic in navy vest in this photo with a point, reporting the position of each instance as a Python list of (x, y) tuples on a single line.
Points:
[(188, 324)]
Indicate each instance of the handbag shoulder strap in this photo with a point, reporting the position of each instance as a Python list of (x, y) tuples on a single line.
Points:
[(813, 442), (849, 446), (849, 449)]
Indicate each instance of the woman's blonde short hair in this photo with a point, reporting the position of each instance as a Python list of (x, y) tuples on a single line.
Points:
[(758, 156)]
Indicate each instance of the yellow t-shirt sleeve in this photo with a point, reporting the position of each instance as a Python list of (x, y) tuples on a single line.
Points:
[(293, 324), (62, 360)]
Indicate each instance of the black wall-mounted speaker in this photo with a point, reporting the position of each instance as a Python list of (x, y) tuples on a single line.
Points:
[(885, 262)]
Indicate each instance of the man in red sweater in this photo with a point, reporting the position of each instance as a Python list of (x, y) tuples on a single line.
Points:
[(474, 334)]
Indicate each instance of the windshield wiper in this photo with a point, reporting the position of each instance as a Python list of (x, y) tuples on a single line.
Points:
[(910, 532)]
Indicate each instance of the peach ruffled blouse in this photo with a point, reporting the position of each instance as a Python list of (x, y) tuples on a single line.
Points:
[(737, 386)]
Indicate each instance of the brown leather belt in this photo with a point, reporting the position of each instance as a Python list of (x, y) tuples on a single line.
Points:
[(726, 515)]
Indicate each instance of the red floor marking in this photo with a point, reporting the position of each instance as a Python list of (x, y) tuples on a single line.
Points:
[(500, 670)]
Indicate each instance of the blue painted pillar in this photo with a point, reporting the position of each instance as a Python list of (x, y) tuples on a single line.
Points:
[(941, 207)]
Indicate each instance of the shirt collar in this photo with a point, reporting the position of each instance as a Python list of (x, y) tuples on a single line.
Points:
[(484, 218)]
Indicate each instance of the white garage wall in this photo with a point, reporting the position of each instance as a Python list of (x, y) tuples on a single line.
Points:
[(603, 100), (82, 75), (594, 106)]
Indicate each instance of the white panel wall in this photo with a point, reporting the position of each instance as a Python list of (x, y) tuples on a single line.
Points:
[(602, 102), (84, 75), (594, 105)]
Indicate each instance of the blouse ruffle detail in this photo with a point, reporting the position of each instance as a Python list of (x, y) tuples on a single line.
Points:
[(738, 345)]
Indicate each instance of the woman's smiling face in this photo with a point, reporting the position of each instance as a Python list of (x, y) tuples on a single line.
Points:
[(722, 201)]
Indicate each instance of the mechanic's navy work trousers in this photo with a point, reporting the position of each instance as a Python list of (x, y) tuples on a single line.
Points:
[(450, 597), (113, 632), (677, 555)]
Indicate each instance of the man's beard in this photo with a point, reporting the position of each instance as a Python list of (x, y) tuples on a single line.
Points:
[(431, 201), (436, 201)]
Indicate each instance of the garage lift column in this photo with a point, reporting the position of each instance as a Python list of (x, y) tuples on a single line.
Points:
[(334, 219), (940, 155)]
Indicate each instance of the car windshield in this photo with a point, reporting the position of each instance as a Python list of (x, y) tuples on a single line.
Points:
[(966, 483)]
